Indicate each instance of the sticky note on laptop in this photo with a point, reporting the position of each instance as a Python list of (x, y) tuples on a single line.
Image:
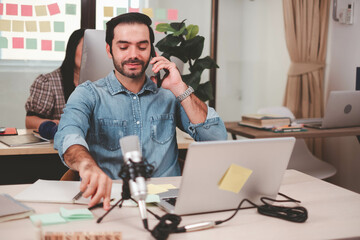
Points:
[(234, 178)]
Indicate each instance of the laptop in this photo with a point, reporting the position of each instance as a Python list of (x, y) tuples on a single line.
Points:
[(342, 110), (207, 162)]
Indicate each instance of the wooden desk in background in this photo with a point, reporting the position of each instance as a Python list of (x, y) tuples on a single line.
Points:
[(333, 213), (235, 129), (26, 164)]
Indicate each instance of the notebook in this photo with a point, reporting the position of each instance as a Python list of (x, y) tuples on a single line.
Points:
[(207, 163), (22, 140), (342, 110), (11, 209)]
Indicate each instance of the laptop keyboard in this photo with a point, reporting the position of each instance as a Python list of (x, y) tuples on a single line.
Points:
[(171, 201)]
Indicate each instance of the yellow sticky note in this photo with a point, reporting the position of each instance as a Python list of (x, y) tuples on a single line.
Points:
[(148, 12), (40, 10), (167, 186), (108, 11), (30, 26), (5, 25), (17, 26), (44, 26), (155, 189), (234, 178)]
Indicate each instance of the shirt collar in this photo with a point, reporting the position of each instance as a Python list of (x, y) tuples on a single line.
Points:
[(116, 87)]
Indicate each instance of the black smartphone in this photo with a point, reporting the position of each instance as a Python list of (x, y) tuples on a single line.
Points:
[(157, 75)]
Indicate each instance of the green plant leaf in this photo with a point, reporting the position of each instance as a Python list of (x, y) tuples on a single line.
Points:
[(192, 31), (182, 31), (192, 79), (204, 63), (164, 27), (178, 25), (168, 42), (193, 47), (204, 91)]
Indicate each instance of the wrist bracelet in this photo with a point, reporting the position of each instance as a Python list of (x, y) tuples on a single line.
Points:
[(187, 93)]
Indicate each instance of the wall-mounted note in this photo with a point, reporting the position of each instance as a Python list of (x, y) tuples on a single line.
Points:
[(44, 26), (120, 11), (46, 45), (70, 9), (17, 26), (18, 42), (31, 43), (108, 11), (5, 25), (1, 8), (234, 178), (26, 11), (134, 10), (148, 12), (11, 9), (40, 10), (160, 13), (172, 14), (53, 9), (30, 26), (3, 42), (59, 27), (59, 46)]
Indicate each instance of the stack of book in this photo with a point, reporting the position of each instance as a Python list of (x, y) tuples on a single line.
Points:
[(264, 120)]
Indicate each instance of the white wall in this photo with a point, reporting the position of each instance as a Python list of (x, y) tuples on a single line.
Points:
[(252, 56), (342, 59)]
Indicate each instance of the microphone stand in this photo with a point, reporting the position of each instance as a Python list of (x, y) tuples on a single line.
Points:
[(145, 168)]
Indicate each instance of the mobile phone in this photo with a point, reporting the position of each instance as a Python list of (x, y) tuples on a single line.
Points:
[(157, 75)]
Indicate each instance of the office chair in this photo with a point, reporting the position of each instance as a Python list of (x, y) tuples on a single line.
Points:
[(301, 158)]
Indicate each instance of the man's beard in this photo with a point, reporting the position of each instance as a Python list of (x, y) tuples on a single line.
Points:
[(121, 70)]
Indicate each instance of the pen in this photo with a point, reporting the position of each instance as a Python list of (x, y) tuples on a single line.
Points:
[(77, 196)]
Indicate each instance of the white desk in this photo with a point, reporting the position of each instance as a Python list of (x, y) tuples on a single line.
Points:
[(334, 213)]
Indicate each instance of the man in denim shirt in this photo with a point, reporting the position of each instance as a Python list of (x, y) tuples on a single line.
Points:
[(127, 102)]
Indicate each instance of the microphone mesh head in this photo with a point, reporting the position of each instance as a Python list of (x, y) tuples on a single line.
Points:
[(130, 144)]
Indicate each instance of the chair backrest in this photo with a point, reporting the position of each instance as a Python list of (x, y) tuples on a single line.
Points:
[(96, 64)]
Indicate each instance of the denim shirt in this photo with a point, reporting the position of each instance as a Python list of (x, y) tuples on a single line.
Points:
[(98, 114)]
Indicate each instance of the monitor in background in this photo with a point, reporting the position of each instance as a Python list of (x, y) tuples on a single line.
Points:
[(96, 64)]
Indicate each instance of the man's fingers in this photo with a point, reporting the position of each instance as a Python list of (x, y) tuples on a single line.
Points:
[(107, 196)]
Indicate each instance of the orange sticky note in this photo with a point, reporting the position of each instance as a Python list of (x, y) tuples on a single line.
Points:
[(234, 178), (17, 26), (148, 12), (108, 11), (30, 26), (44, 26), (40, 10)]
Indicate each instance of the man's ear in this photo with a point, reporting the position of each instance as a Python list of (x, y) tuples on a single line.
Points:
[(108, 51)]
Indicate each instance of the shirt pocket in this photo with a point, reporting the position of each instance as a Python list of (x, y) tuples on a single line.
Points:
[(162, 128), (110, 132)]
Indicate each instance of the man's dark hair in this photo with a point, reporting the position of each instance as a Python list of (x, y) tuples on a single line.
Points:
[(68, 65), (128, 18)]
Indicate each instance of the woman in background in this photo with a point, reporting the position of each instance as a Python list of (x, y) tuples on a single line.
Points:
[(50, 92)]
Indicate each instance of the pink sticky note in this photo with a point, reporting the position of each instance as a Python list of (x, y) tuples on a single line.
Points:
[(172, 14), (11, 9), (53, 9), (18, 42), (26, 10), (134, 9), (46, 45), (1, 8)]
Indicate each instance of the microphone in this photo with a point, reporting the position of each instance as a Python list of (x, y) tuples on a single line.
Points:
[(130, 148)]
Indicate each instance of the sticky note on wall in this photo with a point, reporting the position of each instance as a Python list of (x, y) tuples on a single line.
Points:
[(160, 13), (148, 12), (46, 45), (108, 11), (5, 25), (30, 26), (17, 26), (11, 9), (53, 9), (44, 26), (18, 42), (1, 8), (31, 43), (172, 14), (70, 9), (3, 42), (40, 10), (120, 11), (234, 178), (26, 11)]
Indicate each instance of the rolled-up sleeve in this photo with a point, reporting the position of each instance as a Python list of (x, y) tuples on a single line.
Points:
[(74, 122), (212, 129)]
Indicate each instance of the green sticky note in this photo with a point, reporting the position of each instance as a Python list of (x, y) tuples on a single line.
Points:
[(160, 13), (120, 11), (234, 178), (76, 214), (70, 9), (31, 43), (47, 219), (59, 27), (59, 46), (3, 42)]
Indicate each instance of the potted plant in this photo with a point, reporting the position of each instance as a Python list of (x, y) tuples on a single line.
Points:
[(182, 41)]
